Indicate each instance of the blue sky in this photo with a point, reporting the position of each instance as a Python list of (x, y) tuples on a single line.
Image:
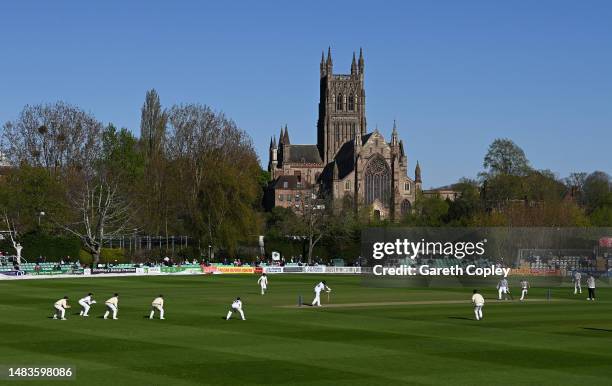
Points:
[(454, 74)]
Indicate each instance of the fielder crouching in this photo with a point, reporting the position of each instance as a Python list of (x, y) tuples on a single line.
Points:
[(158, 304), (85, 304), (60, 307), (112, 305), (236, 307)]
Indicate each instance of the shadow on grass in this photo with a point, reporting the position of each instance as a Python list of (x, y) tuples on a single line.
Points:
[(596, 329), (460, 318)]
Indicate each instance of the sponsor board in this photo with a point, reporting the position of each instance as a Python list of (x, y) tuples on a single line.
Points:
[(535, 272), (314, 269), (349, 270), (293, 269), (99, 271), (227, 269), (274, 269), (152, 270)]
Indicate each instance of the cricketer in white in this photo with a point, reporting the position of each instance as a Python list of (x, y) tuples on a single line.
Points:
[(60, 308), (236, 307), (158, 304), (263, 282), (502, 288), (112, 305), (85, 304), (478, 302), (317, 290)]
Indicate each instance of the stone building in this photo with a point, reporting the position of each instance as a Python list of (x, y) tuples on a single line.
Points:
[(347, 163)]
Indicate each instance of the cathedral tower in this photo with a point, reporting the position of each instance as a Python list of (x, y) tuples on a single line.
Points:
[(341, 106)]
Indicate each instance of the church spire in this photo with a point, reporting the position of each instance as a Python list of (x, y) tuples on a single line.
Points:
[(361, 62), (322, 66), (329, 63), (417, 173), (281, 137), (394, 136), (354, 65), (286, 139)]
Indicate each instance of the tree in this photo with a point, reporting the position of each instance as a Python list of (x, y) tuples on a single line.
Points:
[(597, 191), (100, 212), (214, 172), (467, 203), (121, 160), (313, 220), (54, 136), (505, 157), (153, 120), (428, 211)]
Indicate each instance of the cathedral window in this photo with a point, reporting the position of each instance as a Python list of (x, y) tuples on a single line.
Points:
[(405, 209), (339, 102), (377, 181), (280, 197), (407, 186), (351, 103), (347, 185)]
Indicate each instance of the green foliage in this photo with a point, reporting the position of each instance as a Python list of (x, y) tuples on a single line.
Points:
[(597, 191), (121, 159), (505, 157), (29, 190), (602, 216), (37, 244), (428, 211)]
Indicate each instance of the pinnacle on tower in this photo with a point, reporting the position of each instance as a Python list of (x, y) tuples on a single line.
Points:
[(286, 139), (354, 65), (394, 134), (417, 173), (361, 61), (322, 66)]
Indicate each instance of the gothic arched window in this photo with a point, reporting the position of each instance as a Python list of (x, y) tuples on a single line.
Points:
[(339, 103), (406, 207), (351, 103), (377, 181)]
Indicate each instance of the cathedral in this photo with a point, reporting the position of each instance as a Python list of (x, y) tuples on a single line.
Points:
[(347, 163)]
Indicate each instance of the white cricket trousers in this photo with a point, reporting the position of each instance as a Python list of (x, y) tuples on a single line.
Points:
[(263, 289), (317, 299), (478, 311), (110, 308), (59, 312), (85, 308), (500, 291), (577, 287), (523, 293), (158, 308), (230, 312)]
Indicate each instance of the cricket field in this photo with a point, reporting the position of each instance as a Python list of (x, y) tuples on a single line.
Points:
[(361, 335)]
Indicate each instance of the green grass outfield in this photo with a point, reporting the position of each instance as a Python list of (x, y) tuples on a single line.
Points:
[(565, 341)]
